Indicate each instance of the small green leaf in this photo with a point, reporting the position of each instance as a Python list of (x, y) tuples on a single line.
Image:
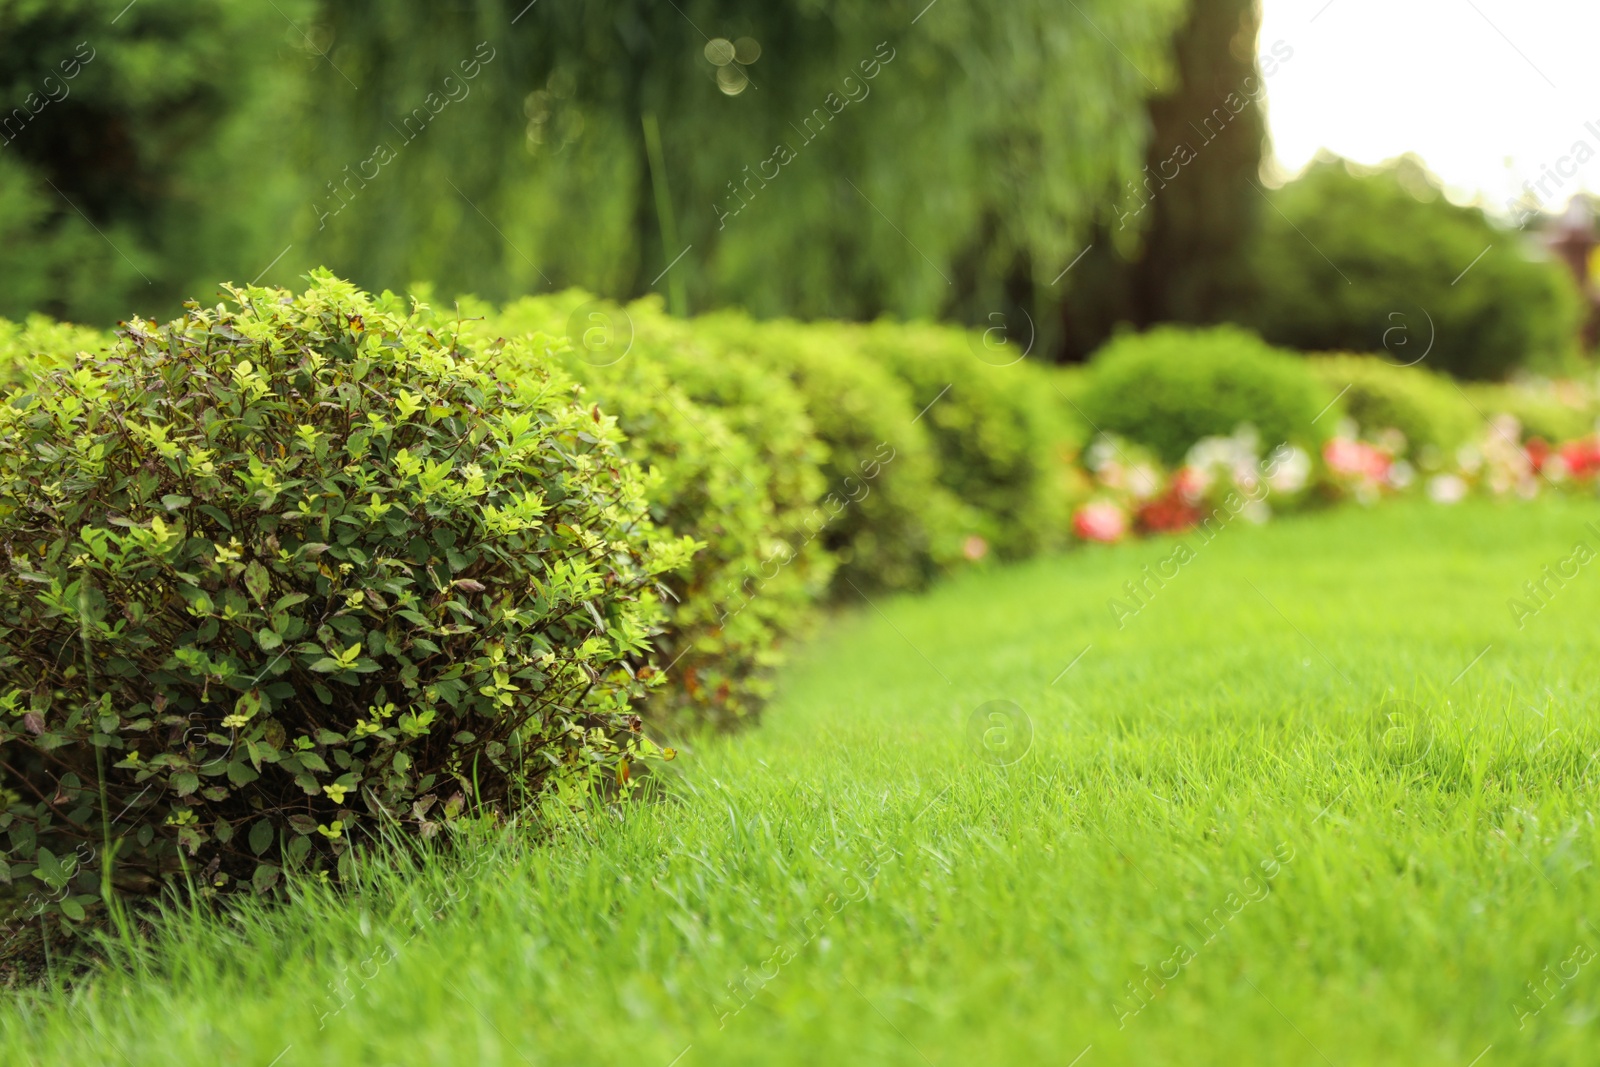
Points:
[(265, 878), (49, 871), (185, 782), (172, 501), (260, 837)]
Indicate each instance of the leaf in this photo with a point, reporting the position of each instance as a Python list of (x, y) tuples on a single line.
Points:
[(302, 824), (248, 704), (72, 909), (185, 782), (326, 665), (268, 639), (265, 878), (223, 520), (258, 580), (172, 501), (261, 837), (49, 872)]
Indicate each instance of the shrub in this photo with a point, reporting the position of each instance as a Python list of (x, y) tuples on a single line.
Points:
[(1542, 410), (743, 498), (282, 569), (1351, 262), (1172, 386), (885, 515), (1002, 443), (1428, 409), (41, 344)]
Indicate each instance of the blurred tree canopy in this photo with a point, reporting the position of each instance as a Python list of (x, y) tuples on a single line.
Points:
[(814, 157), (1376, 259), (140, 149)]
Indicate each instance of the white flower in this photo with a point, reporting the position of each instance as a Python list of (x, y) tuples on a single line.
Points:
[(1292, 471), (1446, 489)]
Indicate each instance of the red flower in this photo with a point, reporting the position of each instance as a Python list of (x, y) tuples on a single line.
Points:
[(1582, 457), (1171, 512), (1538, 453)]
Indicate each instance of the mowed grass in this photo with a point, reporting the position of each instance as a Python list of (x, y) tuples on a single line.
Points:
[(1217, 850)]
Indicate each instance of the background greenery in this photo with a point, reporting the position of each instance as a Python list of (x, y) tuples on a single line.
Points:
[(810, 158)]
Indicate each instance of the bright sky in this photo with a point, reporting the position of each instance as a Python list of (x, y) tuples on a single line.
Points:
[(1487, 92)]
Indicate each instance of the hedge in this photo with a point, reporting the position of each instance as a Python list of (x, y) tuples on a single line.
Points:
[(299, 565), (884, 515), (1002, 444), (1172, 386), (1429, 409), (733, 464)]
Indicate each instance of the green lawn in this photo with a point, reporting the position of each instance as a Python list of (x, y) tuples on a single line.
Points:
[(1216, 809)]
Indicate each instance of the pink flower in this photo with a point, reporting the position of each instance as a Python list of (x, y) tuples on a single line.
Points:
[(1100, 521), (1189, 484), (974, 548), (1356, 459)]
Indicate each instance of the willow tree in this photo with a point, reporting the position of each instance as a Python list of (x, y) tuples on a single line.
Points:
[(141, 149), (810, 157)]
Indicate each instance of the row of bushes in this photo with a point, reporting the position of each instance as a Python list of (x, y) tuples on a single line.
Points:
[(295, 566)]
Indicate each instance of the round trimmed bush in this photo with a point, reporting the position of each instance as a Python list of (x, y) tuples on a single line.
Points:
[(732, 464), (283, 570), (1429, 409), (1170, 387), (1003, 446), (884, 513)]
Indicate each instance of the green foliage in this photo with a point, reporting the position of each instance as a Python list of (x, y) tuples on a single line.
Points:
[(297, 566), (732, 464), (144, 149), (549, 179), (1003, 447), (40, 344), (497, 147), (884, 515), (1428, 408), (1172, 386), (1540, 409), (1362, 262)]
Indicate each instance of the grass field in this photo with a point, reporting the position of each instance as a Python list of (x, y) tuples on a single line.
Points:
[(1320, 801)]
